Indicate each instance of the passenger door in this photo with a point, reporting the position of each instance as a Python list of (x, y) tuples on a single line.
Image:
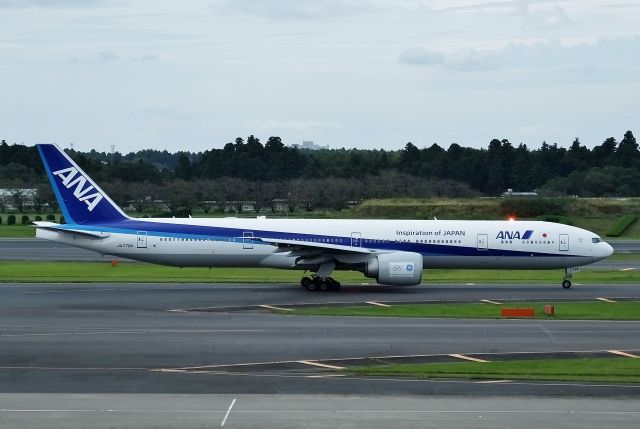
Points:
[(483, 242), (142, 239), (564, 242), (356, 239)]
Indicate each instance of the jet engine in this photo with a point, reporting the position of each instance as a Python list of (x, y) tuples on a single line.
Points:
[(396, 268)]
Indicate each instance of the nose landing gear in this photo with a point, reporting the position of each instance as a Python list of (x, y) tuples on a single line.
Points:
[(566, 284)]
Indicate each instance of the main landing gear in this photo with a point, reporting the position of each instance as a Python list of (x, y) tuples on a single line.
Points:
[(566, 284), (322, 279), (320, 283)]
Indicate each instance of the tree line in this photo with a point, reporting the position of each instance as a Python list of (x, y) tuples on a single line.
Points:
[(329, 178)]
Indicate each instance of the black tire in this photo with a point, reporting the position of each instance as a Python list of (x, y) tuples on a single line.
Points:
[(334, 287), (324, 286), (305, 282), (566, 284), (312, 286)]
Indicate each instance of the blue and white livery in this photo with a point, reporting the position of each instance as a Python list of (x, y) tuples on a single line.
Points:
[(394, 252)]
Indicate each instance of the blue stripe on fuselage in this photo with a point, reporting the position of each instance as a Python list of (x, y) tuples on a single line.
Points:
[(159, 229)]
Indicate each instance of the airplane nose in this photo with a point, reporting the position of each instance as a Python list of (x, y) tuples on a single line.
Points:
[(607, 250)]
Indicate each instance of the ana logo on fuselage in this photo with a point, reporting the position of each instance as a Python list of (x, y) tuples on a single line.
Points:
[(514, 235), (71, 178)]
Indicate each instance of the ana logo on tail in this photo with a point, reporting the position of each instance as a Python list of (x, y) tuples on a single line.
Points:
[(70, 178)]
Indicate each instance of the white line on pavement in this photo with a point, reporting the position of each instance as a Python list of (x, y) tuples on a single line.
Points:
[(472, 359), (228, 411)]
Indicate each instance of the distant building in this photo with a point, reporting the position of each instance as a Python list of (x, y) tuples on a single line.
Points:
[(510, 193), (309, 145), (7, 200)]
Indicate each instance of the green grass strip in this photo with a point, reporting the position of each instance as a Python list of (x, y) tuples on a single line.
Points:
[(621, 225), (17, 231), (611, 370), (36, 271), (587, 310)]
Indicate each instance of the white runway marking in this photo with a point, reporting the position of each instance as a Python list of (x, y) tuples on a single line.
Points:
[(625, 354), (628, 269), (379, 304), (470, 284), (326, 376), (472, 359), (228, 411), (488, 301), (321, 365), (493, 381), (76, 290), (605, 300), (271, 307)]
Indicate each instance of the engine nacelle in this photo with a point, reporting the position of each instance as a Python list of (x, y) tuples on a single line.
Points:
[(396, 268)]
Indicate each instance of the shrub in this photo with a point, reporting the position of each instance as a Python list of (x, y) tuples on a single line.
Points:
[(621, 225), (181, 212), (0, 220), (556, 219), (11, 220), (38, 218), (51, 217), (531, 207), (25, 219)]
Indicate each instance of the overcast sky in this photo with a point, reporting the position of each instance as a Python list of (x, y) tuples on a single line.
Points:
[(191, 75)]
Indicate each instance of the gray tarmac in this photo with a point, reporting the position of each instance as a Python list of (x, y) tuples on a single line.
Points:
[(312, 411), (123, 338), (115, 355)]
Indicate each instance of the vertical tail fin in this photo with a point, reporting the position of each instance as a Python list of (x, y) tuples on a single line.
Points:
[(80, 199)]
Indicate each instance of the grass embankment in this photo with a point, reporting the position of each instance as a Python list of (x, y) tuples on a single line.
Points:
[(35, 271), (591, 310), (611, 370), (594, 214), (621, 225), (134, 272), (17, 231)]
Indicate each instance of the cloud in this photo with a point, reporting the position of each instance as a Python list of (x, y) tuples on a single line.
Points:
[(23, 4), (583, 70), (421, 57), (605, 53), (470, 59), (545, 19), (620, 5), (291, 125), (297, 9), (98, 58), (534, 13), (144, 58)]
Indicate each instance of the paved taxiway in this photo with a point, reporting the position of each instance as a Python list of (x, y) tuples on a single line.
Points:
[(99, 338), (317, 411), (105, 355)]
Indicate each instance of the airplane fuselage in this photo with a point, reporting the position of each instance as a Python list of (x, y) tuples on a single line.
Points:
[(240, 242)]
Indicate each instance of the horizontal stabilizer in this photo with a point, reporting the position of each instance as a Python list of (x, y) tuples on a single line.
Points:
[(66, 230)]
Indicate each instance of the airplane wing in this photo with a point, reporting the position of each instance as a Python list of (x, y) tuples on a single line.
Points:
[(66, 230), (289, 245)]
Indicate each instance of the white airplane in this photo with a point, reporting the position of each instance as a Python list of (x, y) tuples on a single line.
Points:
[(394, 252)]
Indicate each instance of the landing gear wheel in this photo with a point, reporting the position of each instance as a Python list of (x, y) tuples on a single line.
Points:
[(566, 284), (312, 286), (334, 286), (305, 282), (324, 286)]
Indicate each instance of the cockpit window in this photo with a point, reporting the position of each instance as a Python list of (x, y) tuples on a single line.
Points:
[(595, 240)]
